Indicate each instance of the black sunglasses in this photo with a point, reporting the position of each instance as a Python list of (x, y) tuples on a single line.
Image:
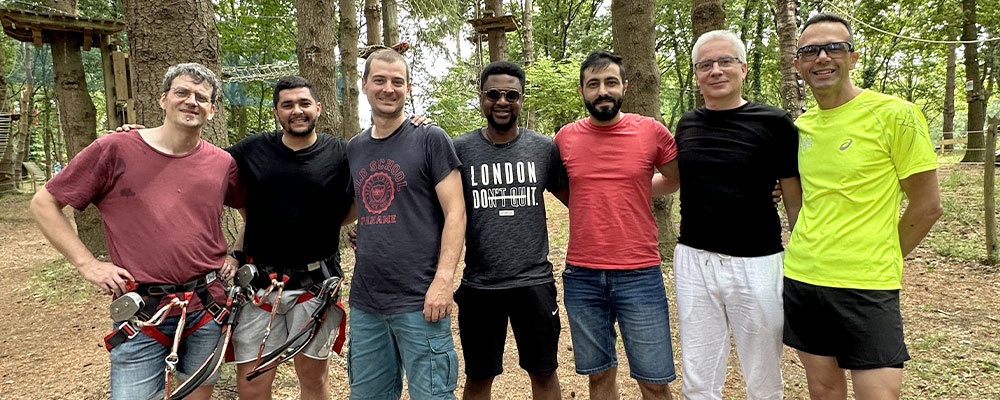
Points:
[(512, 95), (835, 49)]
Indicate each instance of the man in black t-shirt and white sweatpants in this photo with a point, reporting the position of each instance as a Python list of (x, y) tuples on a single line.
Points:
[(728, 262)]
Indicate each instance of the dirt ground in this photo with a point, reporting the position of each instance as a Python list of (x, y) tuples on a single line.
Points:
[(53, 323)]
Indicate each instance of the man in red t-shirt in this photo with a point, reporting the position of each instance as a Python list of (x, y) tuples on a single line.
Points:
[(613, 261), (160, 192)]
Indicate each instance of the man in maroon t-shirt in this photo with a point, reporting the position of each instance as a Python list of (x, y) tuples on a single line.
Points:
[(160, 192)]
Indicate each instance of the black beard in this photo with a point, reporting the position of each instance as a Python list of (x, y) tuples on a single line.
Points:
[(606, 114), (305, 132), (502, 127)]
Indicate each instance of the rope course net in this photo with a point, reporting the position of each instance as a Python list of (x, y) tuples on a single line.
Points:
[(263, 72)]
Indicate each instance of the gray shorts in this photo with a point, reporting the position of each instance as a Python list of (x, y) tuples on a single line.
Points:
[(289, 320)]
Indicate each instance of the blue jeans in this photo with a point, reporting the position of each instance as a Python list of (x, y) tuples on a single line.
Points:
[(596, 298), (383, 346), (138, 365)]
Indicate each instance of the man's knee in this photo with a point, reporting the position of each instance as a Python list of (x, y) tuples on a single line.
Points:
[(311, 372), (258, 388)]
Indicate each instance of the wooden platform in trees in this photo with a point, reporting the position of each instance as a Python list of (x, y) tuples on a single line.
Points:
[(34, 26)]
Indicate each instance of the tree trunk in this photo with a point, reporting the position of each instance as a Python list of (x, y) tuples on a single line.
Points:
[(373, 22), (948, 125), (706, 15), (974, 85), (792, 91), (315, 47), (27, 106), (160, 36), (528, 44), (390, 23), (497, 38), (349, 32), (77, 117), (633, 36), (7, 155), (47, 134)]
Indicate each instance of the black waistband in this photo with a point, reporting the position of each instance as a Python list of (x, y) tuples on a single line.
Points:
[(161, 289)]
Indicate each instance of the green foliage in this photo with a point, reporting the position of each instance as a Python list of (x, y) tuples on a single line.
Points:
[(455, 106), (552, 92)]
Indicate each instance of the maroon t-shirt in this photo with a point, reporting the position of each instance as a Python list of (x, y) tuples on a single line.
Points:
[(161, 212)]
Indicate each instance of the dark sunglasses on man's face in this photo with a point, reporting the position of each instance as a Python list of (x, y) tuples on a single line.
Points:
[(512, 95), (833, 50)]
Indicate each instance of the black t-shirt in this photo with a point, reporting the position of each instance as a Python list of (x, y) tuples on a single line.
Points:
[(729, 161), (503, 187), (296, 200)]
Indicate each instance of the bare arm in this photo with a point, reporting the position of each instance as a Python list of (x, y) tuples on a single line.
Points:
[(438, 300), (668, 181), (923, 209), (791, 194), (47, 212), (562, 196)]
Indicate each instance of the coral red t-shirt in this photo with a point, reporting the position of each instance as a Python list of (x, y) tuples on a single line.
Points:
[(161, 212), (610, 169)]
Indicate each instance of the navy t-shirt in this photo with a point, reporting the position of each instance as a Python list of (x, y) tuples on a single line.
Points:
[(296, 200), (399, 216), (729, 161)]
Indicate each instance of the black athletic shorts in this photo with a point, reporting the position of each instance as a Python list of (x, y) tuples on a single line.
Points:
[(482, 326), (863, 329)]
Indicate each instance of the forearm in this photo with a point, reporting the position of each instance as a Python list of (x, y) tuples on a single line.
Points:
[(663, 186), (452, 239), (47, 213), (914, 225)]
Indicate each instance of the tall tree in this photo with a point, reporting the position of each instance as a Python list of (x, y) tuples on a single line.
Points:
[(27, 106), (349, 32), (47, 133), (948, 125), (496, 38), (792, 92), (975, 96), (390, 23), (528, 39), (706, 16), (314, 47), (633, 36), (373, 22)]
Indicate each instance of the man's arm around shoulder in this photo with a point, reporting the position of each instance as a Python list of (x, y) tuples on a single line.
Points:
[(438, 300), (47, 212)]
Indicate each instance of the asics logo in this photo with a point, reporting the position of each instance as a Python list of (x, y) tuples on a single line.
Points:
[(846, 144)]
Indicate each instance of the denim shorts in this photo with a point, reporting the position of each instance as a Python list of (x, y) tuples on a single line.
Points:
[(383, 346), (138, 364), (597, 298)]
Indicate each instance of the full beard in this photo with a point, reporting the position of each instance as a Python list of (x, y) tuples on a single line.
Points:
[(304, 132), (605, 114)]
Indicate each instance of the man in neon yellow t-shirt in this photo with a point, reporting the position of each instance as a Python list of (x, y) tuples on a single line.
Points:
[(859, 152)]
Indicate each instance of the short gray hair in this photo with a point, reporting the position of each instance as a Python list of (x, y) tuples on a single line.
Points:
[(199, 73), (741, 50)]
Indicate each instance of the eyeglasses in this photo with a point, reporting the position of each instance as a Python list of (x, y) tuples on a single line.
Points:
[(833, 50), (512, 95), (724, 62)]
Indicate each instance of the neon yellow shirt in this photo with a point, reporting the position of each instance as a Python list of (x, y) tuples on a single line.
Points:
[(851, 159)]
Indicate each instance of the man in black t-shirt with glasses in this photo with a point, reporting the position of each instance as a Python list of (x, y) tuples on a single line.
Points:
[(728, 262)]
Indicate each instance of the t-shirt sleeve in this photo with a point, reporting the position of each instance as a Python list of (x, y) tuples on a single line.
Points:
[(557, 179), (910, 142), (666, 147), (236, 193), (441, 156), (787, 147), (86, 178)]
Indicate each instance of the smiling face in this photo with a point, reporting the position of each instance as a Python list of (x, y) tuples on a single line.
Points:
[(297, 111), (721, 86), (826, 75), (501, 114), (603, 92), (187, 103), (386, 88)]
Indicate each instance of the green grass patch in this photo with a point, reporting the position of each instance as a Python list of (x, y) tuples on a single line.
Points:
[(58, 282), (961, 231), (931, 341)]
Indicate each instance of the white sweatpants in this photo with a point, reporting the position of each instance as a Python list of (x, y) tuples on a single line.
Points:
[(716, 293)]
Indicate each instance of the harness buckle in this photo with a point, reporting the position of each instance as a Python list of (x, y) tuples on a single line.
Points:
[(129, 329)]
